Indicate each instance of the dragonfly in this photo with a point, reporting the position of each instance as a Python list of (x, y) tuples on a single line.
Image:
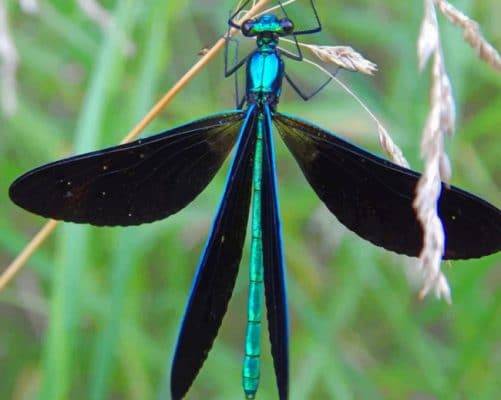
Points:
[(152, 178)]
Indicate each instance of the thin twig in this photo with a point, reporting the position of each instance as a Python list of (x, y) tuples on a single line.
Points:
[(26, 253)]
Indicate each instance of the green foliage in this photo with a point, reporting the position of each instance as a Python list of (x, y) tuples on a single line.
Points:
[(95, 314)]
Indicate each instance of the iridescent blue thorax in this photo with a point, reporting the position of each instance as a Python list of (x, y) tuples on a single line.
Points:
[(265, 71), (265, 67)]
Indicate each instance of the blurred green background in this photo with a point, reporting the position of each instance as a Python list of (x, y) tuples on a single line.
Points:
[(95, 313)]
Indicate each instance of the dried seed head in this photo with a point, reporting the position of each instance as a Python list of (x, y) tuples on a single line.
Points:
[(471, 33), (344, 57), (428, 40)]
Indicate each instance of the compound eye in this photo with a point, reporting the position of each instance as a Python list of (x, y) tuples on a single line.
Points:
[(287, 26), (247, 27)]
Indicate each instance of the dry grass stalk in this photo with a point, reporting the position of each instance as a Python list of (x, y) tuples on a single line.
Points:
[(341, 56), (390, 147), (268, 10), (344, 57), (9, 60), (271, 9), (242, 12), (440, 121), (472, 33), (385, 140), (428, 191), (428, 39)]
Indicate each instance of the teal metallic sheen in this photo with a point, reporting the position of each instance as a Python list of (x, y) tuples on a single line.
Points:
[(251, 367), (251, 382), (264, 76), (267, 23), (263, 69), (265, 72)]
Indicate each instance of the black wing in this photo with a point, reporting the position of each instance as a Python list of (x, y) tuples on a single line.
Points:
[(130, 184), (274, 270), (217, 271), (373, 197)]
